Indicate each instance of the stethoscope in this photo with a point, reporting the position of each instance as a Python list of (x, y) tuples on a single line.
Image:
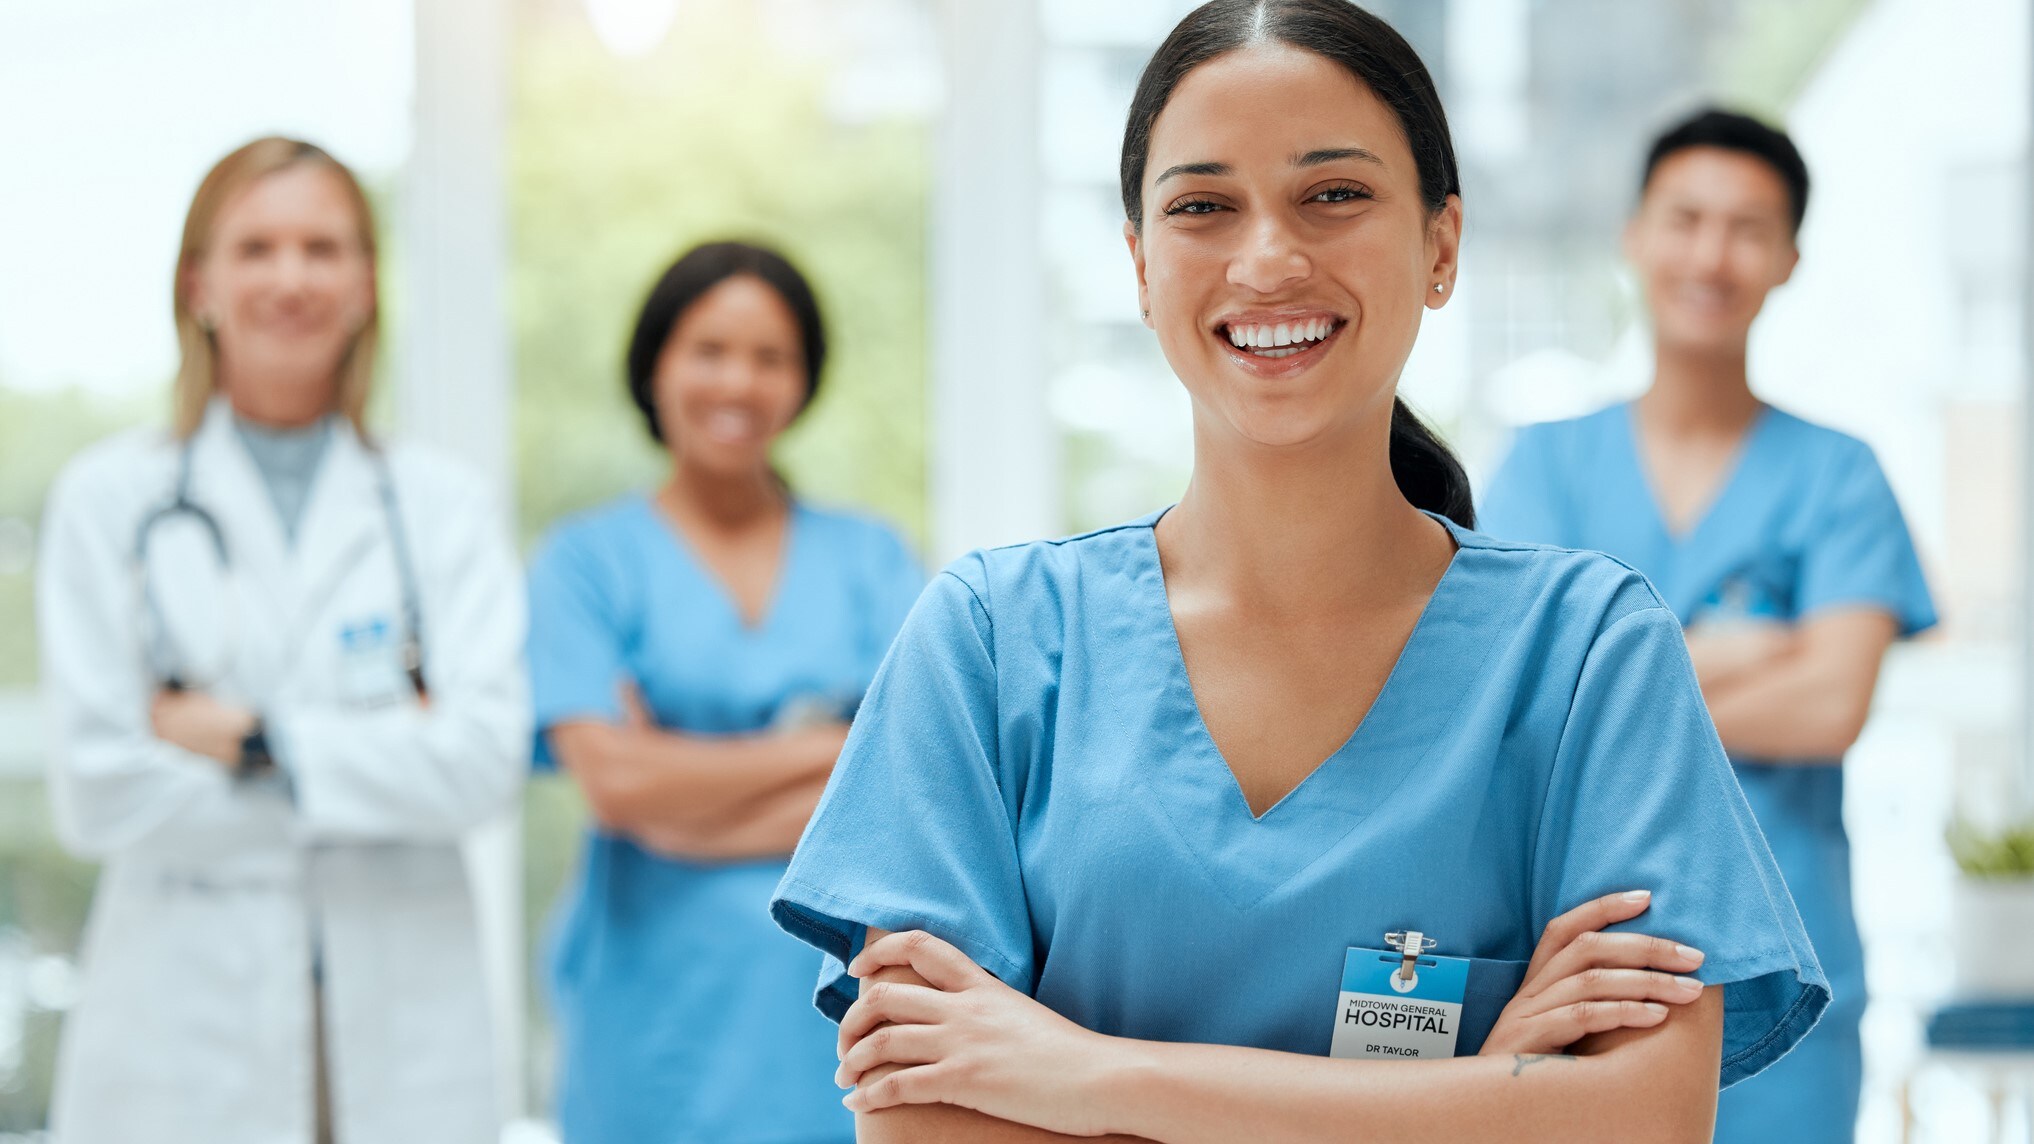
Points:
[(156, 640)]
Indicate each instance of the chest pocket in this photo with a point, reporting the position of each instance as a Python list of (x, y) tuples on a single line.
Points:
[(1761, 588), (1492, 984), (370, 661)]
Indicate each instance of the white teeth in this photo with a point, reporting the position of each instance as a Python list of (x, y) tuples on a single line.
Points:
[(1281, 336)]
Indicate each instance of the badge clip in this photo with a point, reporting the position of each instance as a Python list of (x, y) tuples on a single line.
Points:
[(1410, 944)]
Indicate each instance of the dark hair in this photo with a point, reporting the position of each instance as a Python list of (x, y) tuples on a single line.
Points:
[(1715, 127), (696, 272), (1426, 471)]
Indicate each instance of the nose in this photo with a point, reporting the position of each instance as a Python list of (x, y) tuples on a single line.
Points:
[(1711, 249), (292, 270), (1271, 257)]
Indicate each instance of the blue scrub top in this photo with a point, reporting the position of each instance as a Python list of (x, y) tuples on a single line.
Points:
[(680, 1009), (1804, 524), (1031, 780)]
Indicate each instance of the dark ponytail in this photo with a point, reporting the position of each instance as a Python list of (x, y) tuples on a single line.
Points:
[(1426, 471)]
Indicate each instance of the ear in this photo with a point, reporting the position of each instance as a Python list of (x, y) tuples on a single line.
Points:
[(1628, 239), (195, 298), (1444, 243), (1788, 262), (1136, 244)]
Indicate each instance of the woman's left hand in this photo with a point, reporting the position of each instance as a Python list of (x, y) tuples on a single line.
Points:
[(200, 724), (966, 1039)]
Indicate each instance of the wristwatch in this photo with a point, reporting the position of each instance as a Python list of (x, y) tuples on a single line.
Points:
[(255, 759)]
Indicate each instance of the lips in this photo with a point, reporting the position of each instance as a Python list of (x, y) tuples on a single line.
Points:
[(1279, 342)]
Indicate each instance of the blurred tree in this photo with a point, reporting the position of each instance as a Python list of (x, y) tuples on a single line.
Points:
[(618, 165)]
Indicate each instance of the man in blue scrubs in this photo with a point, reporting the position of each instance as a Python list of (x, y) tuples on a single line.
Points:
[(1777, 542)]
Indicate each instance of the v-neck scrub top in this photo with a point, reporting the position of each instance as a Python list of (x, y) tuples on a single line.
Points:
[(1030, 779), (680, 1009), (1804, 523)]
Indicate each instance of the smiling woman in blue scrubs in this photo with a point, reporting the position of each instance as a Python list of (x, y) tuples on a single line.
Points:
[(1777, 543), (695, 654), (1128, 820)]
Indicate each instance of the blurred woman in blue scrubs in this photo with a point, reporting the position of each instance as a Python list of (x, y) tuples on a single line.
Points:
[(1125, 814), (696, 653), (1776, 541)]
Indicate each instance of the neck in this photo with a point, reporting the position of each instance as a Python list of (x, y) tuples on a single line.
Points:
[(723, 500), (1320, 525), (1699, 390), (278, 402)]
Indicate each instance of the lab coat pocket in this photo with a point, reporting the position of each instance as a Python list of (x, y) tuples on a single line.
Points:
[(1492, 984)]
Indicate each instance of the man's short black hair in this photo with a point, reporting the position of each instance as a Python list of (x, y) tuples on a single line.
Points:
[(1715, 127), (700, 270)]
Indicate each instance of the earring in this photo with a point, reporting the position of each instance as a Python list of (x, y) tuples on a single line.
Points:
[(1440, 288), (1147, 315)]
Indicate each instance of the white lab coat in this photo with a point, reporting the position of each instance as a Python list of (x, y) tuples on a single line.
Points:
[(195, 1019)]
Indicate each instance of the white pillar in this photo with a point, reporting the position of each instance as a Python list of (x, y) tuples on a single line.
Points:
[(454, 385), (994, 456)]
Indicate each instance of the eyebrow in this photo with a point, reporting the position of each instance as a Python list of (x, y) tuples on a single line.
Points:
[(1309, 159)]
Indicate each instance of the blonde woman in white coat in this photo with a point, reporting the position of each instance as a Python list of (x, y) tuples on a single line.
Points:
[(282, 670)]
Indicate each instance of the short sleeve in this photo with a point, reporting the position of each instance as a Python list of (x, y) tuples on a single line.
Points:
[(1522, 500), (914, 830), (576, 639), (1642, 797), (1861, 553)]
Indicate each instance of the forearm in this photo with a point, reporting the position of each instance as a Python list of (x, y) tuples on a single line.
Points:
[(947, 1124), (406, 772), (767, 826), (647, 782), (1203, 1094), (1787, 711)]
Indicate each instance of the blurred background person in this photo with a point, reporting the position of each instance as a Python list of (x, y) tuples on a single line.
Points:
[(279, 664), (1777, 541), (696, 653)]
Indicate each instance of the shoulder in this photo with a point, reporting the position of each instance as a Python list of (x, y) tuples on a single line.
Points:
[(1831, 462), (1570, 432), (600, 537), (854, 530), (117, 477), (1553, 589), (1034, 571)]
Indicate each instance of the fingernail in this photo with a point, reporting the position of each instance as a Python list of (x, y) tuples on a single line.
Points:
[(1688, 951), (1687, 983), (1637, 895), (1656, 1009)]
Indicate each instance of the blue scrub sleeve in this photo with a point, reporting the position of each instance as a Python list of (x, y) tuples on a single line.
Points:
[(576, 640), (1642, 797), (1523, 500), (915, 831), (1861, 553)]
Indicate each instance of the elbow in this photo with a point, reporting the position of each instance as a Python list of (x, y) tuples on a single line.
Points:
[(1835, 729), (610, 789)]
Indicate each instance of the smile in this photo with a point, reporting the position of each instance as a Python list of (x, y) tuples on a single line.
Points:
[(1265, 341)]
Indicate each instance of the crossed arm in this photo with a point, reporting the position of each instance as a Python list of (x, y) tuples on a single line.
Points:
[(694, 797), (942, 1051), (1799, 693)]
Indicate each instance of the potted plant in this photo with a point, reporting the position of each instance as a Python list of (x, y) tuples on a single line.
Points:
[(1993, 910)]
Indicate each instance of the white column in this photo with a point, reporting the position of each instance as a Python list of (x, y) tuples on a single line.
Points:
[(454, 385), (994, 456)]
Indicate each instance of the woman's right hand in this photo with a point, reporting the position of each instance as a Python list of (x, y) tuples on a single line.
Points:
[(1583, 981)]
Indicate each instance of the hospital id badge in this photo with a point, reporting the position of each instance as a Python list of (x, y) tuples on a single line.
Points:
[(370, 674), (1398, 1005)]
